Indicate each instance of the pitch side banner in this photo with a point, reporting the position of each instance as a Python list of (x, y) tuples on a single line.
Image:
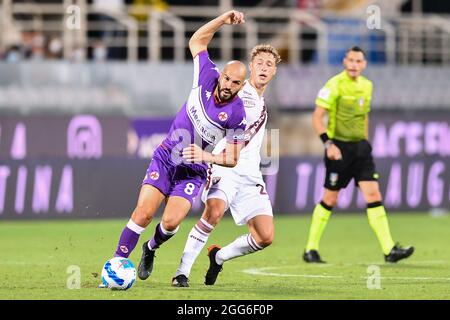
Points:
[(109, 188), (418, 184), (72, 137), (90, 166)]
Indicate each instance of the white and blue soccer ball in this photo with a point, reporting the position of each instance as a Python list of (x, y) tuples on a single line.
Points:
[(118, 273)]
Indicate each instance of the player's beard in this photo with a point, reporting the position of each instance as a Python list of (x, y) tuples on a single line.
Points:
[(224, 98)]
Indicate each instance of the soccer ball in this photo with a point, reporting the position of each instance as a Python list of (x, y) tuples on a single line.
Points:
[(118, 273)]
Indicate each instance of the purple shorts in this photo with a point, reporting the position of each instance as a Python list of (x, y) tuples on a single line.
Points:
[(183, 180)]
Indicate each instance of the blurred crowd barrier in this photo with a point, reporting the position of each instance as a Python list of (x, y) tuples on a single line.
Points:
[(304, 31), (160, 89)]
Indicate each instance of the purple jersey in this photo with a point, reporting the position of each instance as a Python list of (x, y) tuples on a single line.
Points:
[(202, 121)]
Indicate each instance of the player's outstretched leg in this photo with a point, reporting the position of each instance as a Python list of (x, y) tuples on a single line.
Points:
[(128, 239), (176, 210), (197, 238), (261, 236), (149, 200), (148, 250), (217, 256)]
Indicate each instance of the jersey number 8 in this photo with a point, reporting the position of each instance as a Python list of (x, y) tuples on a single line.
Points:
[(189, 189)]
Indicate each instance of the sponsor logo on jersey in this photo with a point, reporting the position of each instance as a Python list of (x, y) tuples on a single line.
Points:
[(223, 116), (207, 94), (249, 103), (210, 131), (154, 175), (241, 137), (207, 132)]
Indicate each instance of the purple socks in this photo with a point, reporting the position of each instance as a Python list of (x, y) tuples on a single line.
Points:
[(128, 239)]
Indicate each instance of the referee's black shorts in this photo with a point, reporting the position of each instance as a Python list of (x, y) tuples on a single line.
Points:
[(357, 162)]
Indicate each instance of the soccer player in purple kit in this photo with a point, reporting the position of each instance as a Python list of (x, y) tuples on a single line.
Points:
[(179, 165)]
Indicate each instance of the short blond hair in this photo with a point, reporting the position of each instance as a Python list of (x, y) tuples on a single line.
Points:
[(265, 48)]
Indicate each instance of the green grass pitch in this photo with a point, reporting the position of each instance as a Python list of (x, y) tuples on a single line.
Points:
[(37, 255)]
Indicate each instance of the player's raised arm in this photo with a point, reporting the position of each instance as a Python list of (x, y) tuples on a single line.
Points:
[(202, 37)]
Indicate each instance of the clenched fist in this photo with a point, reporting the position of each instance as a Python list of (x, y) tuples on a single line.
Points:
[(233, 17)]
